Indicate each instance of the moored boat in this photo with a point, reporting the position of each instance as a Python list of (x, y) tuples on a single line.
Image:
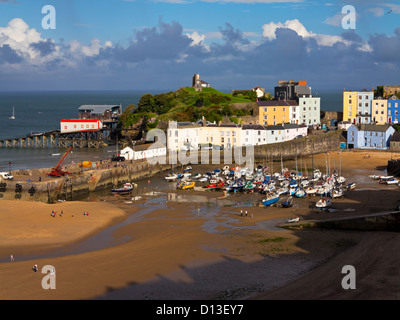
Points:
[(171, 177), (323, 203), (126, 189), (271, 199)]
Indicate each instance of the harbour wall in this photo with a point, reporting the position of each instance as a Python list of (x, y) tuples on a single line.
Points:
[(77, 185)]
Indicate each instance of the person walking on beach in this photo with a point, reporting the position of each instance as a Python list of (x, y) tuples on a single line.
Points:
[(11, 258), (246, 213), (241, 213)]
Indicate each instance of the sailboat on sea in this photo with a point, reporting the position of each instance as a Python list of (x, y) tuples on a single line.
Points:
[(13, 115)]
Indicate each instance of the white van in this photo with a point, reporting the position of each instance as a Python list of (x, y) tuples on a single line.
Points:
[(6, 176)]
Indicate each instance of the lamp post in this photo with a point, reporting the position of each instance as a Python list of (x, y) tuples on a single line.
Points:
[(9, 164)]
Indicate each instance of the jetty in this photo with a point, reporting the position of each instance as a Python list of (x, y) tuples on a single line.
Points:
[(56, 139)]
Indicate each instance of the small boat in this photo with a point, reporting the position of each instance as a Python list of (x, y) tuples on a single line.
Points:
[(184, 185), (197, 176), (171, 177), (189, 168), (311, 191), (351, 186), (13, 115), (392, 181), (287, 203), (323, 203), (337, 193), (271, 199), (291, 220), (300, 193), (249, 186), (215, 184), (126, 189), (341, 179)]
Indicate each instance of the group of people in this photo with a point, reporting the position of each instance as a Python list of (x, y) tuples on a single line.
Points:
[(245, 213), (54, 213)]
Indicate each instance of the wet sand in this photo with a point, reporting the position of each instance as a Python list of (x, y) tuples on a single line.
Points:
[(198, 247)]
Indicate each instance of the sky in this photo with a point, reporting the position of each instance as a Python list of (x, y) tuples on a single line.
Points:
[(232, 44)]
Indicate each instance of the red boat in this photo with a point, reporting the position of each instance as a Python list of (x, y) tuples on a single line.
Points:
[(217, 184)]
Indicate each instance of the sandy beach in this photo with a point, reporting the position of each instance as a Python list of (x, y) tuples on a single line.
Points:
[(171, 246)]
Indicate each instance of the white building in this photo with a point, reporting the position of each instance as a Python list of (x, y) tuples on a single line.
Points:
[(310, 108), (183, 136), (254, 134), (293, 131), (344, 125), (144, 151), (76, 125), (275, 134)]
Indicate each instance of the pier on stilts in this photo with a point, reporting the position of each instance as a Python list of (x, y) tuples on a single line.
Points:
[(56, 139)]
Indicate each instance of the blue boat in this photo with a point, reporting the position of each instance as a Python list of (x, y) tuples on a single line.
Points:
[(270, 200)]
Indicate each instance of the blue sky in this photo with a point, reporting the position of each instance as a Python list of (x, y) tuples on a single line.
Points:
[(121, 44)]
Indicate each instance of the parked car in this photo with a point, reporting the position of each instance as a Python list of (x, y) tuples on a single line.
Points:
[(299, 136), (6, 176), (118, 158)]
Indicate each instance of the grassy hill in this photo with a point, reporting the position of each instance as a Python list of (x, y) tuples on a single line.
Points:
[(186, 104)]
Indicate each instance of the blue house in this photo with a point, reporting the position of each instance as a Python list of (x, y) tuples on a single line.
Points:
[(369, 136), (393, 110)]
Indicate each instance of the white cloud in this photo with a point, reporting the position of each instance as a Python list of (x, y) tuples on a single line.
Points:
[(20, 37), (196, 38), (269, 32)]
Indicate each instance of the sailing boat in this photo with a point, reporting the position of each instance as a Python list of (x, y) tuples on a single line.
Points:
[(13, 115)]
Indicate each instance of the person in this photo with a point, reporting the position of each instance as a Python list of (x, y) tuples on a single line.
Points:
[(35, 268), (246, 213), (11, 258), (241, 213)]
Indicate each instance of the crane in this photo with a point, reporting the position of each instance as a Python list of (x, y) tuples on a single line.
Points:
[(57, 171)]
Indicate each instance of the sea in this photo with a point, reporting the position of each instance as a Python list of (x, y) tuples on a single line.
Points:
[(43, 111)]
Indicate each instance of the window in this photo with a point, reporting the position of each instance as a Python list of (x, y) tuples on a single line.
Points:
[(65, 127), (259, 132), (74, 126), (176, 133)]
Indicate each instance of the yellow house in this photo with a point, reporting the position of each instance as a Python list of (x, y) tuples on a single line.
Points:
[(226, 136), (274, 112), (350, 106), (379, 111)]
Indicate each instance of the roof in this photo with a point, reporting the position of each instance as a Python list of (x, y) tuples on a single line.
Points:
[(291, 125), (274, 128), (81, 120), (277, 103), (223, 125), (373, 127), (97, 108), (253, 127), (142, 147), (396, 136)]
